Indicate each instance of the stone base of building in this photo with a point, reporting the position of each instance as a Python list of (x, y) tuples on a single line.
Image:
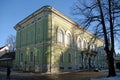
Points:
[(54, 69)]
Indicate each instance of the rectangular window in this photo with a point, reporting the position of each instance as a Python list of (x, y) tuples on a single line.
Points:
[(31, 56), (61, 57), (69, 58), (21, 57), (60, 36), (61, 67), (79, 59)]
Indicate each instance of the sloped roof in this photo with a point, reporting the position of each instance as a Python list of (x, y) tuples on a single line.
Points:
[(2, 47), (3, 59), (8, 55)]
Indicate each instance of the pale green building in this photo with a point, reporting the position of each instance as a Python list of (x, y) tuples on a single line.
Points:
[(48, 41)]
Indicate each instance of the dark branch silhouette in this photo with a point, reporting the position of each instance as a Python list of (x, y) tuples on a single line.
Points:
[(102, 18)]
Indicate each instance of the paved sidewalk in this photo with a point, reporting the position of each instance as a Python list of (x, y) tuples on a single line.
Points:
[(63, 76), (117, 77)]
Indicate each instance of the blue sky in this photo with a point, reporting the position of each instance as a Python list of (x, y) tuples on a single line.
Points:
[(13, 11)]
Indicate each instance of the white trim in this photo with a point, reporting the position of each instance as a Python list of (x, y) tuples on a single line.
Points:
[(66, 40), (79, 43), (63, 36), (61, 53)]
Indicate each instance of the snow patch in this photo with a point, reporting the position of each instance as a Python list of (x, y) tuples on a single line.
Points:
[(109, 78)]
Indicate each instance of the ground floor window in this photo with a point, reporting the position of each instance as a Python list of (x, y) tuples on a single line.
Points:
[(31, 56), (21, 57), (69, 57), (61, 57)]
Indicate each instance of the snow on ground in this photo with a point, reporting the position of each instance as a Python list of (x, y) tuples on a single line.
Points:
[(108, 78)]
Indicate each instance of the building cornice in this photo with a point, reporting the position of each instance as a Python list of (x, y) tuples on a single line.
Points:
[(54, 11), (73, 23), (39, 11)]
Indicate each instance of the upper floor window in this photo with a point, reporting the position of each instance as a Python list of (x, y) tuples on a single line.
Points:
[(101, 51), (60, 36), (93, 47), (79, 43), (84, 44), (68, 39)]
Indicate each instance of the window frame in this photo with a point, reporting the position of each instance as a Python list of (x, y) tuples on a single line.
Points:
[(31, 56)]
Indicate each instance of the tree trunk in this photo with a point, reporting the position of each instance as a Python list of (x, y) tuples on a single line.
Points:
[(111, 59), (108, 52)]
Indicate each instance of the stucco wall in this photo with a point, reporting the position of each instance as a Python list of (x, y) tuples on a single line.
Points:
[(38, 34)]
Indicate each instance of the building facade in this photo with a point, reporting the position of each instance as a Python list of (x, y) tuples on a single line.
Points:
[(48, 41), (4, 50), (117, 61)]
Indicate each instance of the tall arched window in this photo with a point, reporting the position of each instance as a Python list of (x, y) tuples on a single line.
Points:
[(93, 47), (79, 43), (60, 36), (68, 39), (84, 44)]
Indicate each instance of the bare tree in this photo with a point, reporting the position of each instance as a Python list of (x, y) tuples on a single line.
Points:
[(11, 41), (102, 16)]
